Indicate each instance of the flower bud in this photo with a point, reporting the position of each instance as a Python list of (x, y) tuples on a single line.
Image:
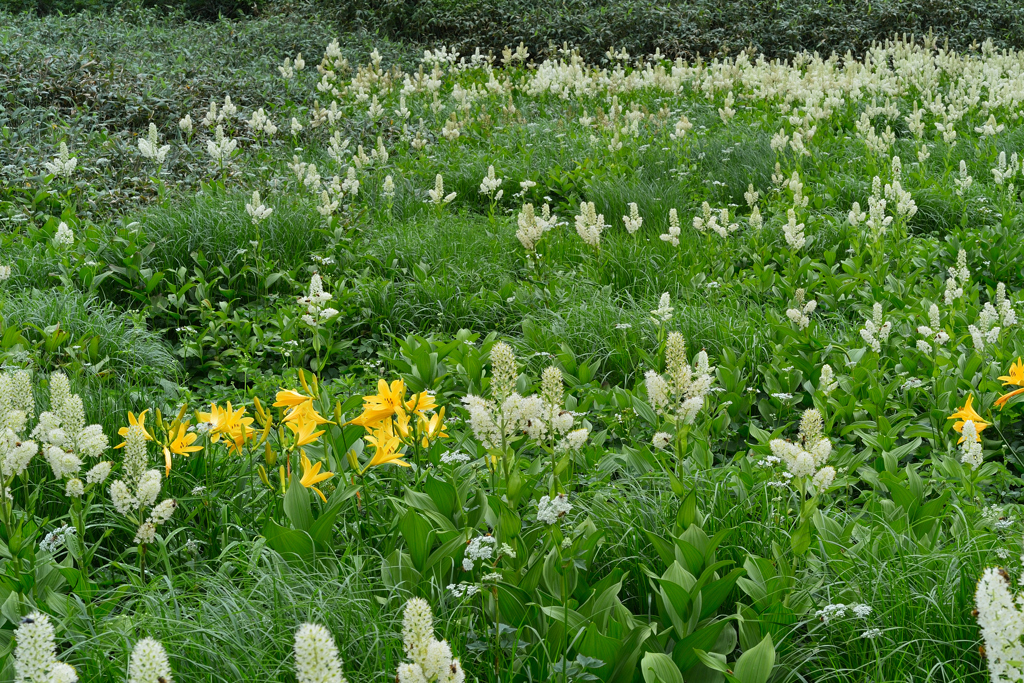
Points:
[(264, 478)]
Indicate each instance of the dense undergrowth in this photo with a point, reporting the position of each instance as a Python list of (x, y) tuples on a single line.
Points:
[(642, 370)]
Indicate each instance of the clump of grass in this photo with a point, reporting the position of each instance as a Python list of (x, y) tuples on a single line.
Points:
[(132, 350), (218, 226)]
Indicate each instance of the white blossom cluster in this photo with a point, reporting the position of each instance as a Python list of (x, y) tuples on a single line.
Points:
[(672, 234), (479, 549), (806, 457), (63, 165), (56, 539), (64, 237), (431, 659), (633, 221), (833, 611), (259, 122), (933, 332), (552, 510), (507, 413), (828, 383), (958, 279), (35, 653), (532, 227), (257, 210), (149, 146), (140, 487), (316, 313), (148, 663), (1001, 619), (548, 417), (876, 331), (316, 656), (590, 224), (67, 442), (709, 221), (437, 195), (800, 312), (679, 394), (663, 313), (491, 185), (970, 446), (17, 407)]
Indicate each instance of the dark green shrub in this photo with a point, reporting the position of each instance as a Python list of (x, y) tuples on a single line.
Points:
[(776, 28), (196, 9)]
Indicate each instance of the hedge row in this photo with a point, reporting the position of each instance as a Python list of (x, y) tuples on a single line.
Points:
[(776, 28)]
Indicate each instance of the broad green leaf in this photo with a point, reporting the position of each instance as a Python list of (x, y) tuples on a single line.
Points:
[(418, 535), (288, 542), (755, 665), (684, 654), (658, 667), (297, 506), (800, 541)]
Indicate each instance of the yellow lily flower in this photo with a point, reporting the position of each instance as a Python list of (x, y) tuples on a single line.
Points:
[(311, 475), (386, 402), (420, 403), (134, 421), (386, 446), (401, 424), (181, 444), (433, 429), (304, 434), (968, 413), (286, 398), (227, 422), (305, 412), (1016, 378)]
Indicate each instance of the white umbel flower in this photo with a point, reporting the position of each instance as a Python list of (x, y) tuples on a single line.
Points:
[(551, 510), (148, 663), (661, 440), (316, 656)]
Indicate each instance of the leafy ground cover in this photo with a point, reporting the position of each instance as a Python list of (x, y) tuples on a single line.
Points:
[(647, 370)]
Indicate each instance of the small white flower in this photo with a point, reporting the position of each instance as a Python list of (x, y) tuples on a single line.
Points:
[(551, 510), (64, 237)]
